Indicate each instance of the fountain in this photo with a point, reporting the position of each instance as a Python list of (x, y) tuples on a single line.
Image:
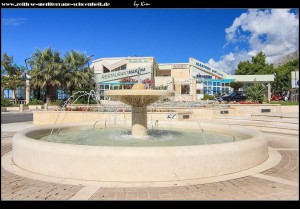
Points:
[(86, 151), (139, 98)]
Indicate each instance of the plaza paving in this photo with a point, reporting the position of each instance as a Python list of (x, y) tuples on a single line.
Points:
[(280, 182)]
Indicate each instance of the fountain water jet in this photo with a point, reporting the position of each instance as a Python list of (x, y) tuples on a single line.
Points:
[(139, 98)]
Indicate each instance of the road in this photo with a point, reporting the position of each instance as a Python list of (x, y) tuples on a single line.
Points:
[(16, 117)]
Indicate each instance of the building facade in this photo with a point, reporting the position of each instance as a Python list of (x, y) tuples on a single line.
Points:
[(190, 81)]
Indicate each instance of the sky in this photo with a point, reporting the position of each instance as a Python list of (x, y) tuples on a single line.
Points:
[(219, 37)]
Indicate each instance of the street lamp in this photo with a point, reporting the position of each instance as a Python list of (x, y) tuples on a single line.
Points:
[(89, 60), (27, 84)]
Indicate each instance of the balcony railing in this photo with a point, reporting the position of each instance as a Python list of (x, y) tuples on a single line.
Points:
[(15, 102)]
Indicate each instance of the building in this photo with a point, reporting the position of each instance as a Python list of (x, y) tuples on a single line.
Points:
[(110, 71), (190, 81)]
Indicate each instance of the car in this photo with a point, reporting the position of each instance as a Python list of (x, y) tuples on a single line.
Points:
[(234, 96)]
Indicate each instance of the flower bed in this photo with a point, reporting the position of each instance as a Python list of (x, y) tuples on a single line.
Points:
[(248, 102)]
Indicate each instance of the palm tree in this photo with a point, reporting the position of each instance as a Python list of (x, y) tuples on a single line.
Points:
[(46, 71), (11, 75), (77, 75)]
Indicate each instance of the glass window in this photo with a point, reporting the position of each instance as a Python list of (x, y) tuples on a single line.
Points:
[(209, 83), (205, 82), (185, 89)]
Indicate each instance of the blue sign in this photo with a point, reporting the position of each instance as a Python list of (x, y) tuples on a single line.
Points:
[(203, 66)]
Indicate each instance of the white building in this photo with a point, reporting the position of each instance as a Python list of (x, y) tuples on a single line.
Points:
[(191, 80)]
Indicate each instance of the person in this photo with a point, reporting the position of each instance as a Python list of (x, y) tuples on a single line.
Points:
[(288, 96), (283, 95)]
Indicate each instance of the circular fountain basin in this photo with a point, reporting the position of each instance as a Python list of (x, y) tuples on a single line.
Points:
[(139, 164)]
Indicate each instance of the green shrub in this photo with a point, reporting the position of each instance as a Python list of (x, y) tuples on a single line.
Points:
[(84, 100), (236, 85), (6, 103), (256, 92), (57, 102), (36, 102), (208, 97)]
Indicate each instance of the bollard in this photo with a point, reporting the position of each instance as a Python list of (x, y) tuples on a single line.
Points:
[(21, 107), (45, 106)]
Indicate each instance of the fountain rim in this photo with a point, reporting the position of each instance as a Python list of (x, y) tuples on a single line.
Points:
[(28, 132), (114, 164), (142, 92)]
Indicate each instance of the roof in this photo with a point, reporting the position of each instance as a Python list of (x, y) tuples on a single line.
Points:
[(251, 78)]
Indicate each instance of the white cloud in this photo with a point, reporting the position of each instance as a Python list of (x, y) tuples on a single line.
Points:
[(229, 62), (13, 21), (274, 32)]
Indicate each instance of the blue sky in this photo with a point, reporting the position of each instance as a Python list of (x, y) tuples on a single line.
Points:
[(220, 37)]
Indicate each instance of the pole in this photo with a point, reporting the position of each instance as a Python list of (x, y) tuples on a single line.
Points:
[(27, 84), (89, 60)]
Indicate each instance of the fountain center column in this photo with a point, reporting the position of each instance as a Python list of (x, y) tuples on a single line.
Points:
[(139, 121)]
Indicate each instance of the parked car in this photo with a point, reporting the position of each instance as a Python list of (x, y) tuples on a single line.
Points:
[(234, 96)]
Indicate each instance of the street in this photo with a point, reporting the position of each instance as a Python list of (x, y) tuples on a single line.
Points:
[(16, 117)]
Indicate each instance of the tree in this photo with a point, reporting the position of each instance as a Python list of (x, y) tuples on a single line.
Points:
[(77, 75), (46, 72), (257, 66), (236, 85), (11, 75), (283, 76)]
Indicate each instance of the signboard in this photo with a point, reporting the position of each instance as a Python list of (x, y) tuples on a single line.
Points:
[(179, 66), (140, 60), (123, 73), (206, 68), (172, 116)]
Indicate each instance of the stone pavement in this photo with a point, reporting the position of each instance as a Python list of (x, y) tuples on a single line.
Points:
[(281, 182)]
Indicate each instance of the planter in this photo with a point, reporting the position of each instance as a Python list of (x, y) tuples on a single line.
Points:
[(35, 107), (12, 108)]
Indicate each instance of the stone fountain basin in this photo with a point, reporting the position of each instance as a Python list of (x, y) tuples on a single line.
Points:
[(139, 98), (139, 164)]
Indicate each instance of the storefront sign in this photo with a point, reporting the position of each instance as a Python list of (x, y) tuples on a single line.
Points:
[(140, 60), (203, 76), (172, 116), (206, 68), (179, 66), (123, 73)]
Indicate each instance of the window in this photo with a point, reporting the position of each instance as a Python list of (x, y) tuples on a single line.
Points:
[(103, 88), (198, 91), (105, 70), (185, 89)]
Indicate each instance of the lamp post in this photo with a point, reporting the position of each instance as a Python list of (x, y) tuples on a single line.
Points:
[(27, 83), (89, 60), (296, 94)]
